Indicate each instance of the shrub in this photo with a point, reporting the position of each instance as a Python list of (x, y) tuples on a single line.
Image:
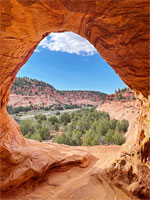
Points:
[(43, 132), (40, 118), (88, 137), (57, 113), (118, 138), (103, 127), (27, 126), (36, 136), (59, 107), (53, 120), (90, 127), (123, 125), (113, 124), (65, 118), (109, 138), (16, 110), (133, 98), (119, 96), (87, 127), (56, 126), (63, 139), (28, 135)]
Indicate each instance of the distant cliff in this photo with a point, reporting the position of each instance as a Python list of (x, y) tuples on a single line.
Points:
[(26, 92)]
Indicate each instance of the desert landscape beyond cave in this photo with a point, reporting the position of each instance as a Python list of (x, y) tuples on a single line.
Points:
[(120, 31)]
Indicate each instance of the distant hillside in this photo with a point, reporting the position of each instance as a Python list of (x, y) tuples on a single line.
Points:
[(30, 87), (26, 91), (125, 94)]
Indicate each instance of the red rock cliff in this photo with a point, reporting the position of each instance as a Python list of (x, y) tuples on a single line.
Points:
[(120, 32)]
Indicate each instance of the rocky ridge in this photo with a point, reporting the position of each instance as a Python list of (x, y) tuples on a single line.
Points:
[(26, 92)]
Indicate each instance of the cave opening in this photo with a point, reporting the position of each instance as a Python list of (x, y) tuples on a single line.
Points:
[(73, 65), (119, 30)]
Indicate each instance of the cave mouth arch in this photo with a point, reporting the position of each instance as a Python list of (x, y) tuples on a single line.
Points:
[(118, 30), (80, 48), (76, 47), (108, 32)]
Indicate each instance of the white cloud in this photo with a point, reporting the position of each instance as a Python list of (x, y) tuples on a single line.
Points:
[(68, 42), (37, 50)]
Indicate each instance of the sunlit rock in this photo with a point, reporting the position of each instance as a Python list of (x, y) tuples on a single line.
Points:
[(120, 32)]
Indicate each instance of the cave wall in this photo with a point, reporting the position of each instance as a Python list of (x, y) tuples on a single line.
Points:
[(119, 30)]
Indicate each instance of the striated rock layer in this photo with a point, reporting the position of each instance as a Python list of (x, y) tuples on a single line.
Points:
[(120, 32)]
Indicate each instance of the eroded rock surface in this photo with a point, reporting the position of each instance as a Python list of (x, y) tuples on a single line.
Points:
[(120, 32)]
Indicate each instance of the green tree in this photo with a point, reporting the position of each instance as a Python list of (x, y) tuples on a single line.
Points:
[(88, 137), (63, 139), (27, 126), (109, 137), (123, 125), (43, 132), (36, 136), (46, 124), (65, 118), (133, 97), (57, 113), (118, 138), (53, 120), (76, 137), (96, 140), (119, 96), (40, 118), (90, 127), (82, 125), (28, 135), (113, 124), (103, 126), (56, 126)]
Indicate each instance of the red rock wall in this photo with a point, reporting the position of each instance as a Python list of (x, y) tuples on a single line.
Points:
[(120, 32)]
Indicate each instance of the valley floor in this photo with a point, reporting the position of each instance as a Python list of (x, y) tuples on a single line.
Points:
[(30, 114)]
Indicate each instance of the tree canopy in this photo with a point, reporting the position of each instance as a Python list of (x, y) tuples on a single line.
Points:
[(90, 127)]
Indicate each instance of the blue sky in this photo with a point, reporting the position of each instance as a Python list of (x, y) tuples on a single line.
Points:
[(69, 62)]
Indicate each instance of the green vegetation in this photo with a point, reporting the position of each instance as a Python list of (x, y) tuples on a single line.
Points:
[(83, 127), (12, 110), (53, 120), (119, 97), (37, 129), (40, 118), (27, 127), (72, 106), (65, 119), (133, 98), (90, 93), (122, 90), (41, 126), (24, 85), (31, 87), (57, 113), (90, 127)]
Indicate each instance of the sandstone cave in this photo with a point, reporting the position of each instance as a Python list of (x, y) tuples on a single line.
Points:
[(119, 30)]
